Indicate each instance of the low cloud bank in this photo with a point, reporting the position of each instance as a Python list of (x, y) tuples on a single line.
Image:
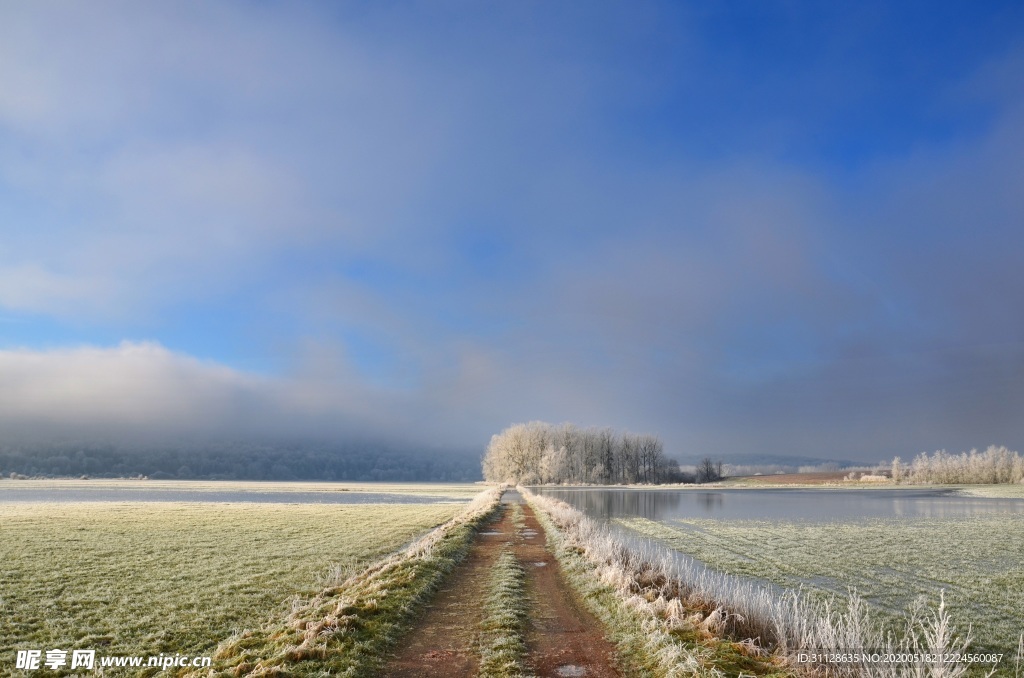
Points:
[(141, 409)]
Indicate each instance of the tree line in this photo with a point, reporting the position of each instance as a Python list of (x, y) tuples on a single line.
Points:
[(538, 452), (994, 465)]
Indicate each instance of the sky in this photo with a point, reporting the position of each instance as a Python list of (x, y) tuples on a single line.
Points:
[(751, 228)]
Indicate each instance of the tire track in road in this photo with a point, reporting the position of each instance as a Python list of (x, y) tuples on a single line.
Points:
[(563, 639)]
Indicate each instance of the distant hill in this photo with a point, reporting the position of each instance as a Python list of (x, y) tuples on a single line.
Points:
[(363, 460), (780, 460)]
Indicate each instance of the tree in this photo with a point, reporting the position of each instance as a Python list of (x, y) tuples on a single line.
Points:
[(708, 471), (898, 469), (540, 452)]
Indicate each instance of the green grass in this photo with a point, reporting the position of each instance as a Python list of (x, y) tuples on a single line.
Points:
[(145, 578), (502, 643), (978, 561)]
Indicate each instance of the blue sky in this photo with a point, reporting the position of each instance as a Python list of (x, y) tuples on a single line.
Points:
[(751, 228)]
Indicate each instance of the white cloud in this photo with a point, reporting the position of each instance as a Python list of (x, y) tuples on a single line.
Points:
[(134, 387), (30, 287), (142, 391), (159, 156)]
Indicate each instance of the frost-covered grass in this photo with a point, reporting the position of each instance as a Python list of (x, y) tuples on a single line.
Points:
[(502, 643), (993, 491), (658, 627), (978, 561), (145, 578), (673, 617), (347, 628)]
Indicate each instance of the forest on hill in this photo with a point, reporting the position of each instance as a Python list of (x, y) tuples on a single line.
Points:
[(363, 460)]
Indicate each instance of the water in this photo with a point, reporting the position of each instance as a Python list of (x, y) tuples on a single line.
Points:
[(769, 504), (779, 504), (9, 494)]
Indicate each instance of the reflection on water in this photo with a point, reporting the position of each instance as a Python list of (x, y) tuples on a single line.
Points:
[(779, 503), (107, 494), (711, 501)]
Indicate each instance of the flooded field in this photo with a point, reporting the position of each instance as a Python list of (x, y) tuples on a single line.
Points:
[(895, 547), (231, 492), (786, 504)]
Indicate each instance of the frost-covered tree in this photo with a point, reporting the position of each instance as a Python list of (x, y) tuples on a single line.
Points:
[(898, 470), (565, 453), (993, 466)]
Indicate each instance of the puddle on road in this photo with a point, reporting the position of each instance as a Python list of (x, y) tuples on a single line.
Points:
[(570, 670), (540, 564), (491, 534)]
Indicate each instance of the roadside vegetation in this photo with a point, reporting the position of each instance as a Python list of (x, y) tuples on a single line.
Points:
[(890, 563), (675, 617), (658, 628), (145, 578), (347, 627)]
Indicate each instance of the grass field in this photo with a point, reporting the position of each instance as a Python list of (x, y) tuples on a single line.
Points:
[(145, 578), (349, 625), (978, 561)]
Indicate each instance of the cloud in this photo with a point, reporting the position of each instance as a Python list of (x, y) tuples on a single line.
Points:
[(151, 148), (32, 288), (443, 220), (130, 388), (166, 139)]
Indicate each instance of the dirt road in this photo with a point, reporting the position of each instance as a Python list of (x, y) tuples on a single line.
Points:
[(563, 639)]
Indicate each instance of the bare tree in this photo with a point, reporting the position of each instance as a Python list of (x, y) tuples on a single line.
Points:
[(708, 471), (605, 442)]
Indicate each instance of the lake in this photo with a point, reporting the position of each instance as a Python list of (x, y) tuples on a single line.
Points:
[(782, 504), (107, 494)]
